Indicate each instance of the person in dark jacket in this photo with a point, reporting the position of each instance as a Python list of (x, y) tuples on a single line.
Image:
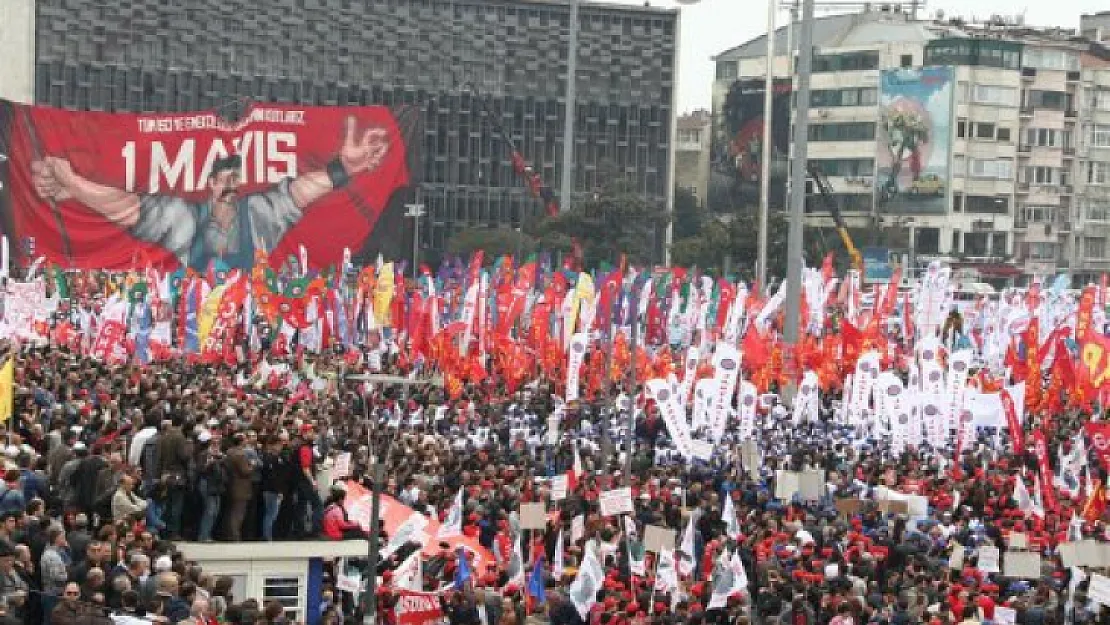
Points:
[(173, 464), (238, 495)]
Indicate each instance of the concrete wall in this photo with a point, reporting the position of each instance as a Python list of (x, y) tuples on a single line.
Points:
[(17, 49)]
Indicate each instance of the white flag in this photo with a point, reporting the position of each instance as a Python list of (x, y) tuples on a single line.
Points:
[(577, 529), (574, 364), (516, 565), (729, 578), (728, 515), (410, 574), (583, 591), (1021, 496), (686, 563), (666, 576), (452, 525), (557, 565)]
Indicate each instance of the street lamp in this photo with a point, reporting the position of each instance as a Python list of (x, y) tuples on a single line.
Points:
[(415, 210)]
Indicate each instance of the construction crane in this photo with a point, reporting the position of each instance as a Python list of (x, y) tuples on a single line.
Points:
[(822, 185)]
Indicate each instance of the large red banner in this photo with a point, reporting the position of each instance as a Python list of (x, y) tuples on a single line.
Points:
[(115, 191)]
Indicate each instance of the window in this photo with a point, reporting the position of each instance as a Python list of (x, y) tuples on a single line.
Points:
[(1100, 99), (1004, 135), (1098, 172), (1100, 137), (990, 94), (1047, 138), (863, 96), (984, 130), (1042, 251), (906, 60), (1098, 210), (846, 62), (1051, 59), (844, 131), (1054, 100), (286, 591), (1042, 175), (1039, 214), (846, 167), (961, 129), (987, 204), (998, 169), (726, 70), (1094, 247)]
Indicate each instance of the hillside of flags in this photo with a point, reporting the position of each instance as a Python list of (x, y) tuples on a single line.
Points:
[(496, 324)]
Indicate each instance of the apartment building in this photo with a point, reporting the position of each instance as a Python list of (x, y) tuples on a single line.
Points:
[(691, 154), (975, 144)]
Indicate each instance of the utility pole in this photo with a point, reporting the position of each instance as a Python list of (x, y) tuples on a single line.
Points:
[(765, 174), (798, 177), (415, 210), (566, 186)]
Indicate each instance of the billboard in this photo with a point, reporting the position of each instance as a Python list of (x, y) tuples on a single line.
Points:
[(91, 190), (914, 139), (738, 142)]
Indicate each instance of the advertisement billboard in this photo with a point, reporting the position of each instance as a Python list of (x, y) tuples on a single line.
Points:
[(914, 140), (89, 190), (737, 159)]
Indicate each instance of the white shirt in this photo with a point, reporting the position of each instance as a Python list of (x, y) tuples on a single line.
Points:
[(135, 455)]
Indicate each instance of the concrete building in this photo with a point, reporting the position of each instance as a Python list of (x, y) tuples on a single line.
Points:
[(1010, 201), (691, 153), (150, 55)]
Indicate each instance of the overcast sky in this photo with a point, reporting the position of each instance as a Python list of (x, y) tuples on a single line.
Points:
[(717, 25)]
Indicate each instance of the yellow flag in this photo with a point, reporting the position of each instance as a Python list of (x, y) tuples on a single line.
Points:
[(383, 295), (208, 311), (7, 381)]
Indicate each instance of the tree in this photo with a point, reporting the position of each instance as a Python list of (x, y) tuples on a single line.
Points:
[(689, 216), (493, 241), (737, 239), (616, 220)]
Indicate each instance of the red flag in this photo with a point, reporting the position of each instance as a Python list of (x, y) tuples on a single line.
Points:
[(1016, 432), (1040, 450), (1099, 435), (756, 352)]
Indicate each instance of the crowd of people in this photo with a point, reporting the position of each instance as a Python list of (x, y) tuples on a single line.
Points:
[(108, 467)]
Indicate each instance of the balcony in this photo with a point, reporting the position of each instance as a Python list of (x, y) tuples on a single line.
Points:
[(1027, 111), (1024, 148), (1069, 151), (1071, 114), (1023, 187), (1073, 76), (1028, 73)]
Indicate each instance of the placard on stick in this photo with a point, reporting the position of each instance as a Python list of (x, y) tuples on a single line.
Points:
[(1018, 540), (616, 501), (657, 538), (956, 560), (1022, 565), (894, 506), (786, 484), (533, 516), (848, 507)]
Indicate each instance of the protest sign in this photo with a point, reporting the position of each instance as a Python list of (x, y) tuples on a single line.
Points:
[(1022, 565), (657, 538), (533, 516), (988, 559), (786, 484), (616, 501)]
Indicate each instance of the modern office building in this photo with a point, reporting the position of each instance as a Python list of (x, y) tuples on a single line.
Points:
[(940, 139), (149, 55)]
